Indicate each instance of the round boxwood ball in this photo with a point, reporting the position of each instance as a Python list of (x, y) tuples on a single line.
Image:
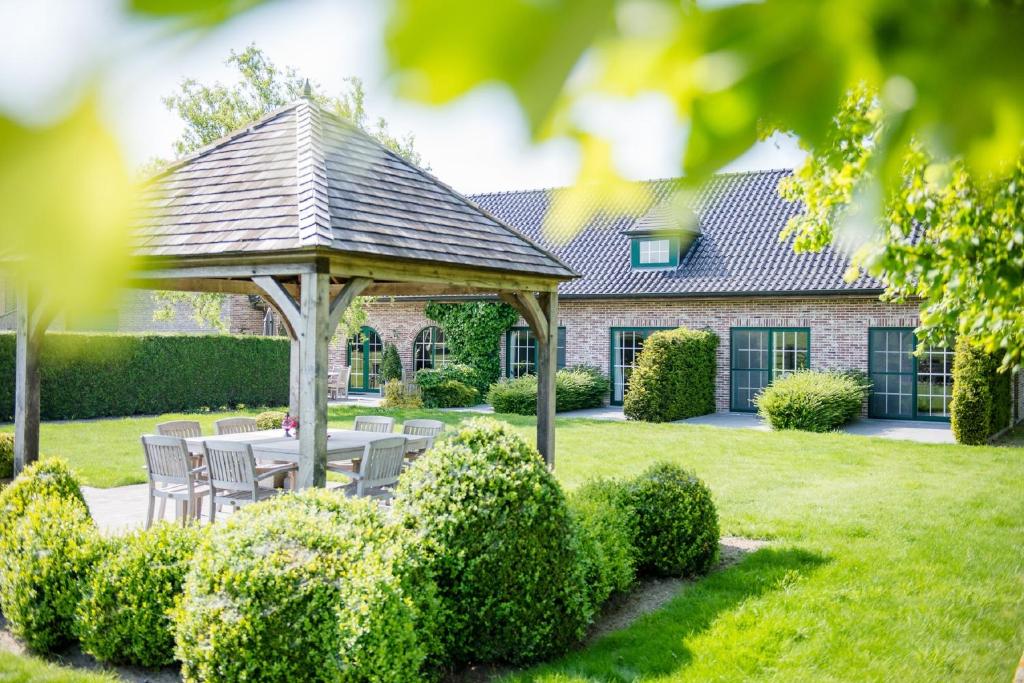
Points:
[(501, 543), (124, 615), (44, 478), (676, 522), (45, 556), (310, 587)]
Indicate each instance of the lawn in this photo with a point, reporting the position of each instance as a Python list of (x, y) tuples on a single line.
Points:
[(890, 560)]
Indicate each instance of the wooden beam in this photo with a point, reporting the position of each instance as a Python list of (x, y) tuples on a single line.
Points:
[(313, 339), (225, 270), (33, 317), (528, 307), (222, 286), (282, 300), (344, 298), (350, 265), (547, 366)]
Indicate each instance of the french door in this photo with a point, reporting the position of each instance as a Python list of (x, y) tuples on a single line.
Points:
[(759, 355), (627, 342), (905, 386), (364, 356)]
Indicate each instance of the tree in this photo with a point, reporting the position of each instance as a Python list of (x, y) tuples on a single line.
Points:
[(211, 112)]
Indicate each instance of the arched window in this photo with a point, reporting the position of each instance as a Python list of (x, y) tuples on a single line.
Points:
[(364, 356), (429, 350)]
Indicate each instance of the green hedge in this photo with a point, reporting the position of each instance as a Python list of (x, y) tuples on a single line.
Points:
[(575, 388), (99, 375), (674, 377), (607, 530), (982, 395), (6, 455), (812, 401), (452, 386)]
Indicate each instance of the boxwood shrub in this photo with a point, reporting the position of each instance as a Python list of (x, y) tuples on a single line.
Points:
[(982, 395), (676, 522), (124, 615), (812, 401), (45, 558), (47, 478), (270, 419), (500, 540), (579, 387), (449, 387), (311, 586), (97, 375), (607, 530), (6, 455), (674, 377)]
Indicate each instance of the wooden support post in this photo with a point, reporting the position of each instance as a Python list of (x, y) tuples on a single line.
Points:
[(314, 335), (547, 366), (33, 318)]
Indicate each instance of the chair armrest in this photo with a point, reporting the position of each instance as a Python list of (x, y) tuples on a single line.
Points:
[(198, 470), (276, 470)]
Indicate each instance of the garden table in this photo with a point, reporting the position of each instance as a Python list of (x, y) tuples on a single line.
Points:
[(271, 444)]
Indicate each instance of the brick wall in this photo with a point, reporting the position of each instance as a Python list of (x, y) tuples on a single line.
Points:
[(839, 326)]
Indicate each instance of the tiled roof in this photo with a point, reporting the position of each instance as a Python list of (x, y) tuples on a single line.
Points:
[(304, 178), (738, 251)]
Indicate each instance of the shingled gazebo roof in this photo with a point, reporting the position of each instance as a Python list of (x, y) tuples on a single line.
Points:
[(302, 178)]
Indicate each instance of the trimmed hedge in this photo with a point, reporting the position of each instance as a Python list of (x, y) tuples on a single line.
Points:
[(45, 558), (812, 401), (6, 455), (674, 377), (449, 387), (607, 530), (501, 543), (575, 388), (124, 615), (311, 586), (676, 521), (100, 375), (390, 364), (982, 396)]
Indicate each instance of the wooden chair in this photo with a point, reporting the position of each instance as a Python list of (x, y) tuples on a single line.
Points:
[(233, 477), (374, 423), (379, 469), (337, 386), (235, 425), (428, 428), (183, 429), (172, 475)]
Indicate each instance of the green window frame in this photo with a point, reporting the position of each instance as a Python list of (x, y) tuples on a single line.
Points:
[(625, 344), (521, 351), (368, 350), (645, 252), (760, 355), (905, 386), (429, 349)]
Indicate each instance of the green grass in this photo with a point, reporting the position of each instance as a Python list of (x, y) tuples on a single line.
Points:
[(890, 560), (18, 669)]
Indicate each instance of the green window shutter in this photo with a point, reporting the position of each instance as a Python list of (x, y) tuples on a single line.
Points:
[(561, 348)]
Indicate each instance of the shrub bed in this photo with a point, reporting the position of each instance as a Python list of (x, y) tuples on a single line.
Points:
[(124, 615), (44, 559), (676, 522), (449, 387), (97, 375), (812, 401), (674, 377), (301, 587), (501, 542), (982, 396), (575, 388), (607, 530)]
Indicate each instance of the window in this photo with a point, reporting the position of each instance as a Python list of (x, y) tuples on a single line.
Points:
[(660, 252), (905, 386), (429, 350), (521, 351), (759, 355), (627, 342)]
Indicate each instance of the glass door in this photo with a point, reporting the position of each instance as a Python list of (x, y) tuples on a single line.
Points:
[(892, 373), (750, 369), (626, 346), (364, 356)]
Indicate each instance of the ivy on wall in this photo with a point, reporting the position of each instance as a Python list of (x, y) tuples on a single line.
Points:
[(472, 331)]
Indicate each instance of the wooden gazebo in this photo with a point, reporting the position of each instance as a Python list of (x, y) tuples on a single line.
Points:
[(309, 212)]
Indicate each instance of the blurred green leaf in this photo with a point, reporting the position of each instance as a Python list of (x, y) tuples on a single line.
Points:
[(194, 12), (67, 200)]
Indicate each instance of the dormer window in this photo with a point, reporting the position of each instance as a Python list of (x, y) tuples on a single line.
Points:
[(655, 252)]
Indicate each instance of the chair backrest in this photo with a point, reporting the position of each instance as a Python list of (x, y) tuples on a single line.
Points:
[(231, 465), (180, 428), (375, 423), (382, 463), (235, 425), (343, 376), (167, 459), (422, 427)]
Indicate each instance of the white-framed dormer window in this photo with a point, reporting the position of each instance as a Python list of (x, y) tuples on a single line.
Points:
[(654, 252)]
